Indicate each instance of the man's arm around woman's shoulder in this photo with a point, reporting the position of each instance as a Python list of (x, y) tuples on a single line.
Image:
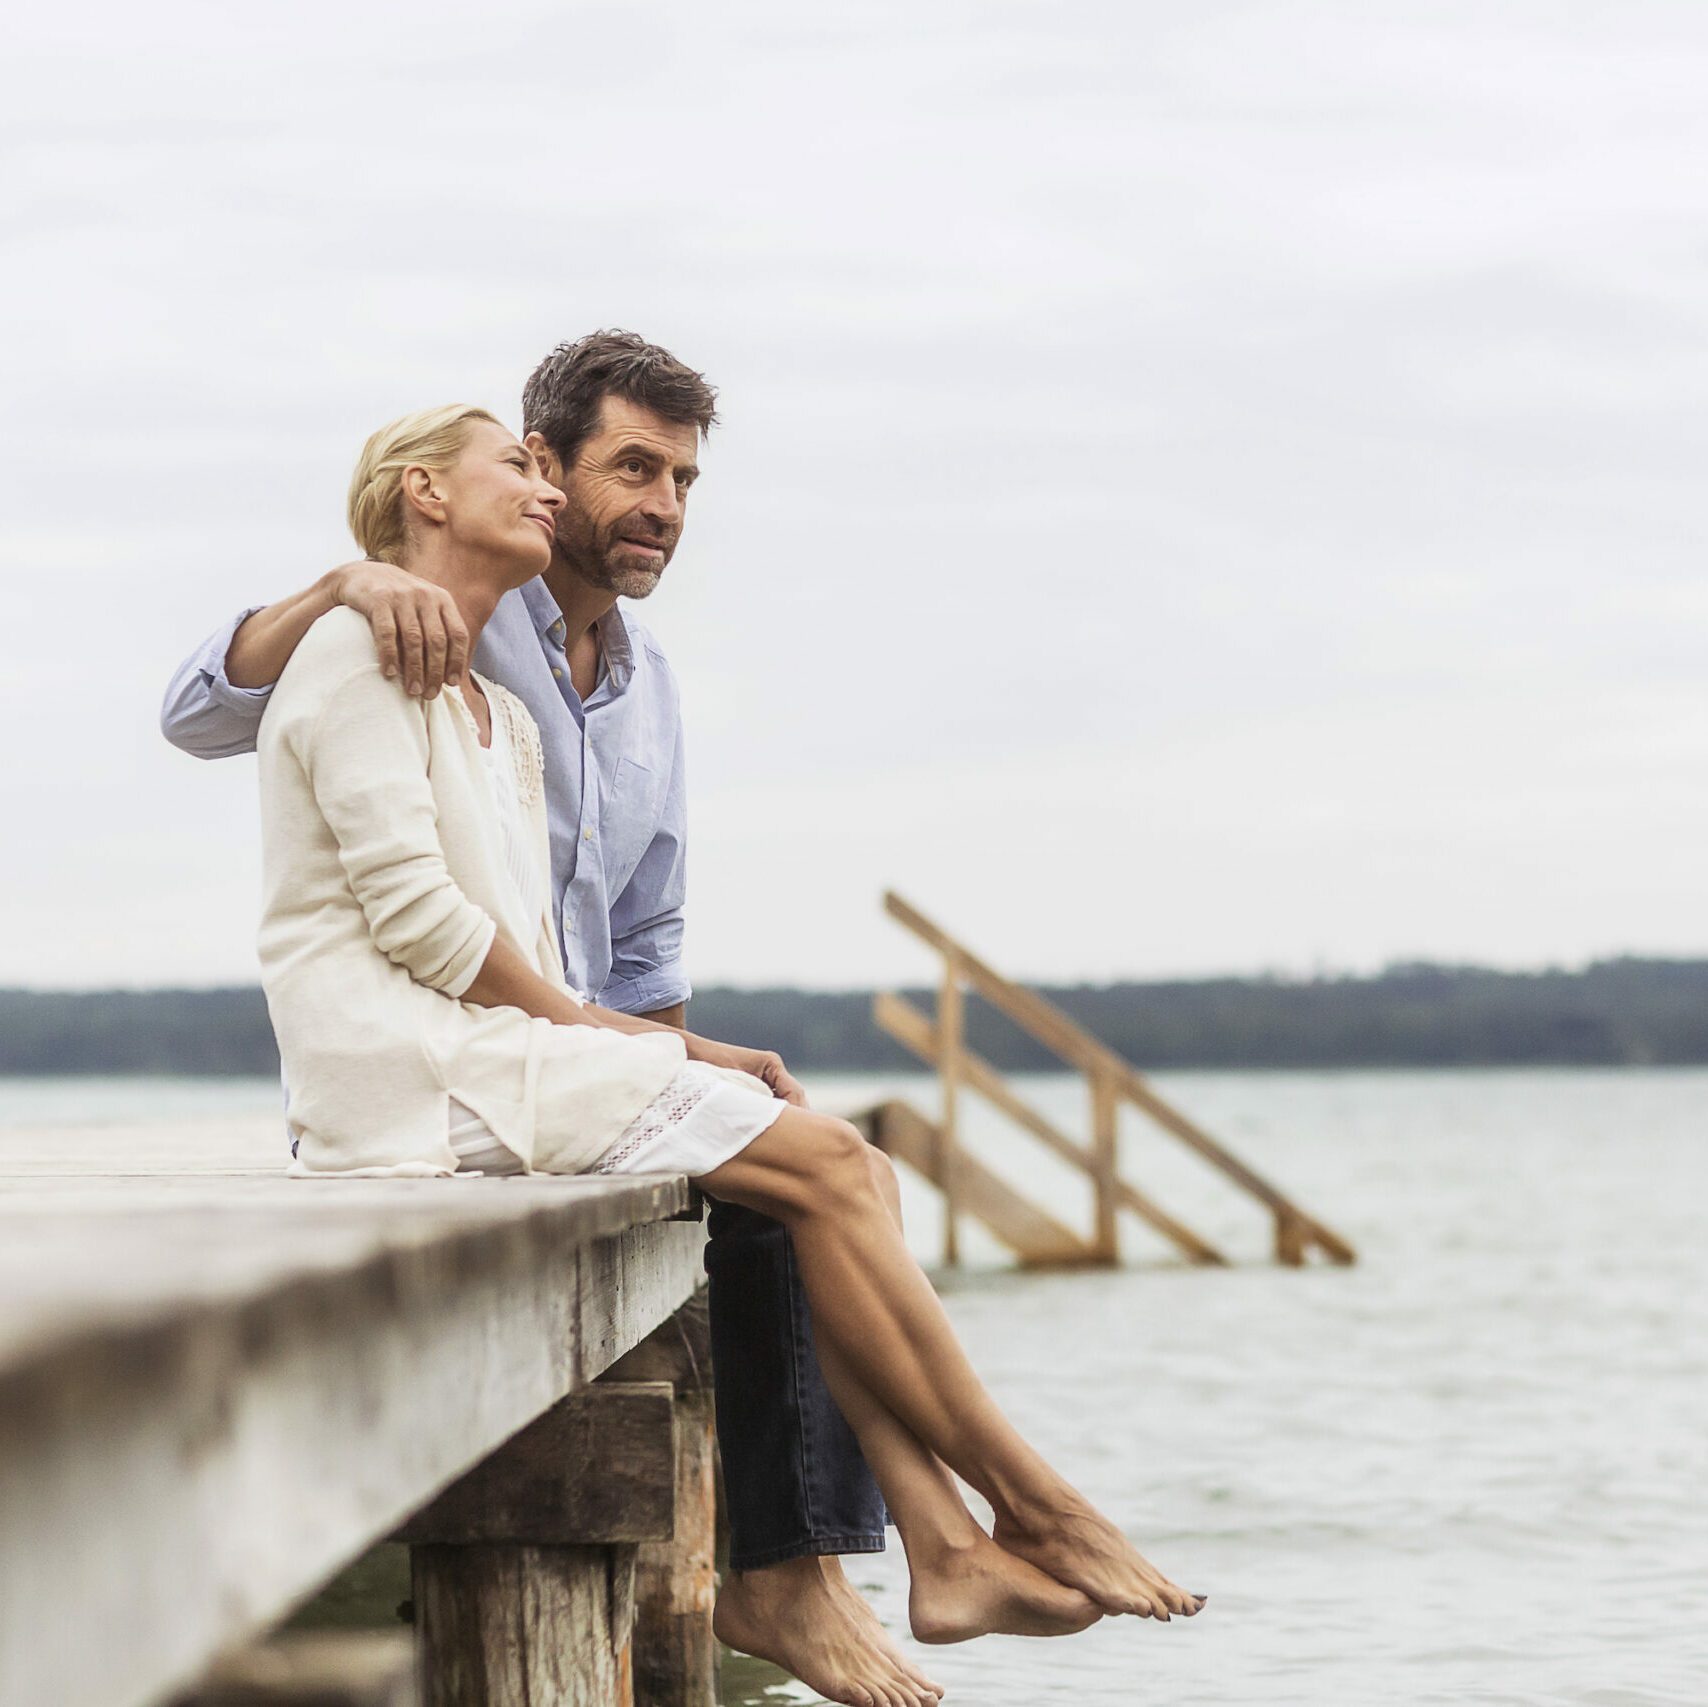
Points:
[(215, 700)]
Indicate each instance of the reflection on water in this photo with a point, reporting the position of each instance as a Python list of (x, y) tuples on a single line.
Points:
[(753, 1683)]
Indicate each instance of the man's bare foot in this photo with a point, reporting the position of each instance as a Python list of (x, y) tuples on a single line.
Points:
[(980, 1590), (1079, 1546), (788, 1614), (858, 1608)]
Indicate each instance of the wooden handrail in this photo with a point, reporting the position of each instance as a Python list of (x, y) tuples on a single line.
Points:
[(915, 1031), (1112, 1077)]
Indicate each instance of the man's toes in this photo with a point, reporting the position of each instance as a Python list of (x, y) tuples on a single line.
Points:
[(907, 1692)]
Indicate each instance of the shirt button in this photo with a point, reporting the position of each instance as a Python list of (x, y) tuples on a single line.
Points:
[(587, 835), (558, 673)]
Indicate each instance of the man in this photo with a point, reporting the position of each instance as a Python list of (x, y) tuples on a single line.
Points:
[(615, 424)]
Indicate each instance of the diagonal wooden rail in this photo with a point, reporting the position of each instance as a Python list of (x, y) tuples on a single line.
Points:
[(968, 1187)]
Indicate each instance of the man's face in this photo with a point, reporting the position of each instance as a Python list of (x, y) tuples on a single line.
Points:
[(626, 496)]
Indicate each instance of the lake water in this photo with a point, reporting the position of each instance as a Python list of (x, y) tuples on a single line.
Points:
[(1474, 1468)]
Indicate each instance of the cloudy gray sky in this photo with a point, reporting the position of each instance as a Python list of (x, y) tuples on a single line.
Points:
[(1202, 487)]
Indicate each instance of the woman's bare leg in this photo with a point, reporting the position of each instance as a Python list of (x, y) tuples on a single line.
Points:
[(886, 1328), (962, 1584)]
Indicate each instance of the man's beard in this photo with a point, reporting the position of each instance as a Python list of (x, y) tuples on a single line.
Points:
[(627, 579), (618, 570)]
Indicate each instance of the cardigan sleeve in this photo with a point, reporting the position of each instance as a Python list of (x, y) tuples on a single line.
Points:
[(365, 754)]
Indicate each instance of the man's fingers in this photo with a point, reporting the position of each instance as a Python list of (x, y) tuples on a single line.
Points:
[(437, 645), (409, 634), (457, 649), (384, 625)]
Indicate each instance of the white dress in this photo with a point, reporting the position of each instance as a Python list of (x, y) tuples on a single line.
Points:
[(698, 1121)]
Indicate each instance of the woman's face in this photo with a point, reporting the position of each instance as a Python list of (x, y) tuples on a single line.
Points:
[(497, 503)]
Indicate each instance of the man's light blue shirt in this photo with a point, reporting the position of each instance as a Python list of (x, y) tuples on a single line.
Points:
[(616, 799)]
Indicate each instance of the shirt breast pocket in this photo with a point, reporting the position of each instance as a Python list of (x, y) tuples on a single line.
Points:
[(631, 818)]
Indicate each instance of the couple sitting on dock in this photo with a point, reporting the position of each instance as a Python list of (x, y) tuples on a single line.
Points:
[(471, 948)]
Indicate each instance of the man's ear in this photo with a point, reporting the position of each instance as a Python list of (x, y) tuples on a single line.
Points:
[(421, 493), (550, 465)]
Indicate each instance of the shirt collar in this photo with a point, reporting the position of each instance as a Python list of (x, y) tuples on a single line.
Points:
[(615, 641), (542, 607)]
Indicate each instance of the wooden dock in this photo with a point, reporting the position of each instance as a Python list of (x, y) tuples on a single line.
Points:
[(219, 1387)]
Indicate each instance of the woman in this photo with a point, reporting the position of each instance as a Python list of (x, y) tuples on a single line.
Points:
[(411, 970)]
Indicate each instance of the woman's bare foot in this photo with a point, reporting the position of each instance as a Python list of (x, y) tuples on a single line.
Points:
[(789, 1615), (1079, 1546), (979, 1590)]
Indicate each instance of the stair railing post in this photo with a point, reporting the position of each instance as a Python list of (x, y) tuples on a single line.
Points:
[(951, 1025), (1290, 1239), (1105, 1118)]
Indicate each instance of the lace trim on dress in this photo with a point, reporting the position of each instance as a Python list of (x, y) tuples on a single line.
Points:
[(669, 1108), (527, 762), (526, 758)]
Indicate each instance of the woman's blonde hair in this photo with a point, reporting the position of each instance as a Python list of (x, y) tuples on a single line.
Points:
[(430, 438)]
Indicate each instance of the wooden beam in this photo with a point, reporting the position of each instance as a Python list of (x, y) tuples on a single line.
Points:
[(675, 1652), (1076, 1046), (916, 1032), (503, 1626), (1037, 1239), (1104, 1139), (599, 1466), (950, 1025), (913, 1030)]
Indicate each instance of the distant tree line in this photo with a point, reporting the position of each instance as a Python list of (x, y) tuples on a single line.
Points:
[(1626, 1012)]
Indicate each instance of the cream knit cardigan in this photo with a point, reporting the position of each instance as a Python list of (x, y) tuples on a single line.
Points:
[(384, 886)]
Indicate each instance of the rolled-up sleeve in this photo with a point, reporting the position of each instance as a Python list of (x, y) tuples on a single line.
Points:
[(647, 968), (203, 713), (365, 755)]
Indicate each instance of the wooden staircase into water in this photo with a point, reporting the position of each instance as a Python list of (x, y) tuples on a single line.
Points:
[(934, 1149)]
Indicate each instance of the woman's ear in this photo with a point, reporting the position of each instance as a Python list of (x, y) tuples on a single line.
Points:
[(421, 493)]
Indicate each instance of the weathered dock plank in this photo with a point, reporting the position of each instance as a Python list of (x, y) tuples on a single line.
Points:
[(217, 1386)]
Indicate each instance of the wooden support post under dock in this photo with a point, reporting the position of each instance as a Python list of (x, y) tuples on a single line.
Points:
[(675, 1653)]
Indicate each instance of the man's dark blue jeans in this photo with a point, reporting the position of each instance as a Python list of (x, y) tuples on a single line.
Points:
[(793, 1471)]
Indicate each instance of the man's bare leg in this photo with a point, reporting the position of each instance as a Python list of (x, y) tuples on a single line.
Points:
[(874, 1307)]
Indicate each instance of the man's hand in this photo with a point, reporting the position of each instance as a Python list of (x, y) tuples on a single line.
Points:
[(418, 631), (766, 1064)]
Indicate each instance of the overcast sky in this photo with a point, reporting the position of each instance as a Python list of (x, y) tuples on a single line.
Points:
[(1201, 488)]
